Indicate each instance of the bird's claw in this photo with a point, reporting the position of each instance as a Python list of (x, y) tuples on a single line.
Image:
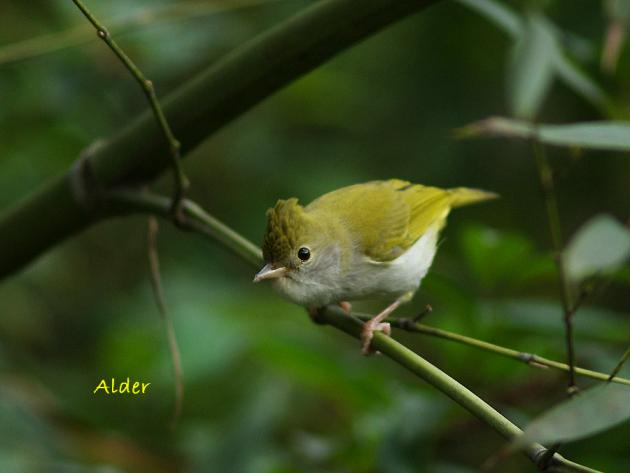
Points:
[(367, 334)]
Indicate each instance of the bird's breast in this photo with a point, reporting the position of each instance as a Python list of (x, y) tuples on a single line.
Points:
[(373, 279)]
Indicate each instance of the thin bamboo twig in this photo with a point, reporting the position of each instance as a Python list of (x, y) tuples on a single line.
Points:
[(545, 175), (128, 202), (617, 369), (530, 359), (180, 181), (158, 292)]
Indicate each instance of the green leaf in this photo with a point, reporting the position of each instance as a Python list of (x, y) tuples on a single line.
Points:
[(511, 23), (600, 245), (582, 416), (604, 135), (533, 67), (597, 135)]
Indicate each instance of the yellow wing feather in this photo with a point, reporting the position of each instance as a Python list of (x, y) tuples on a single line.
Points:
[(385, 218)]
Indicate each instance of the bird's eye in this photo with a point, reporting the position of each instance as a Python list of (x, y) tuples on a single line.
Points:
[(304, 253)]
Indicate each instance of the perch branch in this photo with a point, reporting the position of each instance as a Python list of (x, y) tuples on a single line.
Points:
[(457, 392), (524, 357)]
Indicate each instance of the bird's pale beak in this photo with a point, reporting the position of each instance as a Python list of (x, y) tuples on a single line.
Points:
[(269, 272)]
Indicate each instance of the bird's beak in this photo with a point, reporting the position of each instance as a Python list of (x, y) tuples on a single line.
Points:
[(269, 272)]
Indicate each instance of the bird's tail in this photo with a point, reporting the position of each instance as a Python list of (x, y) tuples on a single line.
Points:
[(461, 196)]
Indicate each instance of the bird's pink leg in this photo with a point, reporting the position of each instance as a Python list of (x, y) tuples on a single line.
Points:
[(345, 306), (376, 324)]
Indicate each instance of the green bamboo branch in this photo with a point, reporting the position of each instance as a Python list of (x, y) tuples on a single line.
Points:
[(174, 146), (529, 359), (402, 355), (200, 107), (129, 202)]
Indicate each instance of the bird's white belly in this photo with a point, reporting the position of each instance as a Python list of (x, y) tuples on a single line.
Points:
[(367, 278), (394, 278)]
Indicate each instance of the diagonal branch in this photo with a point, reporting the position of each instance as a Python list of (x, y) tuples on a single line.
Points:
[(402, 355)]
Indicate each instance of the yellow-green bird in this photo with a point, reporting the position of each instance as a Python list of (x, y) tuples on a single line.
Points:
[(371, 240)]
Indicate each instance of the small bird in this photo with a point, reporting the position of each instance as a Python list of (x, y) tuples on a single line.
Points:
[(370, 240)]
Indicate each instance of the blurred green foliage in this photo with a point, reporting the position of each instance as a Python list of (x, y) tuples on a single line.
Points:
[(266, 390)]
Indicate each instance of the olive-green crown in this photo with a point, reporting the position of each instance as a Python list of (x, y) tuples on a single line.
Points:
[(285, 224)]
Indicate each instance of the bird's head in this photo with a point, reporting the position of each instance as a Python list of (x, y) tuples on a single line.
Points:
[(301, 253)]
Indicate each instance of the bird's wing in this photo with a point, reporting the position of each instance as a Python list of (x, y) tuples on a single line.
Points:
[(385, 217), (425, 206)]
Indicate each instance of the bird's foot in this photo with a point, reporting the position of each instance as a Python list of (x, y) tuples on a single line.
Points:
[(367, 334), (376, 324), (345, 306)]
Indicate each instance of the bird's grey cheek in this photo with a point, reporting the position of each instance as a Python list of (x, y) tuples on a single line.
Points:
[(284, 287)]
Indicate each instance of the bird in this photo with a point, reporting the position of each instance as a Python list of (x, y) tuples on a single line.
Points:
[(374, 240)]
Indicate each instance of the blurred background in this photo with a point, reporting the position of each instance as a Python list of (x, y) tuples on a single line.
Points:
[(266, 390)]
